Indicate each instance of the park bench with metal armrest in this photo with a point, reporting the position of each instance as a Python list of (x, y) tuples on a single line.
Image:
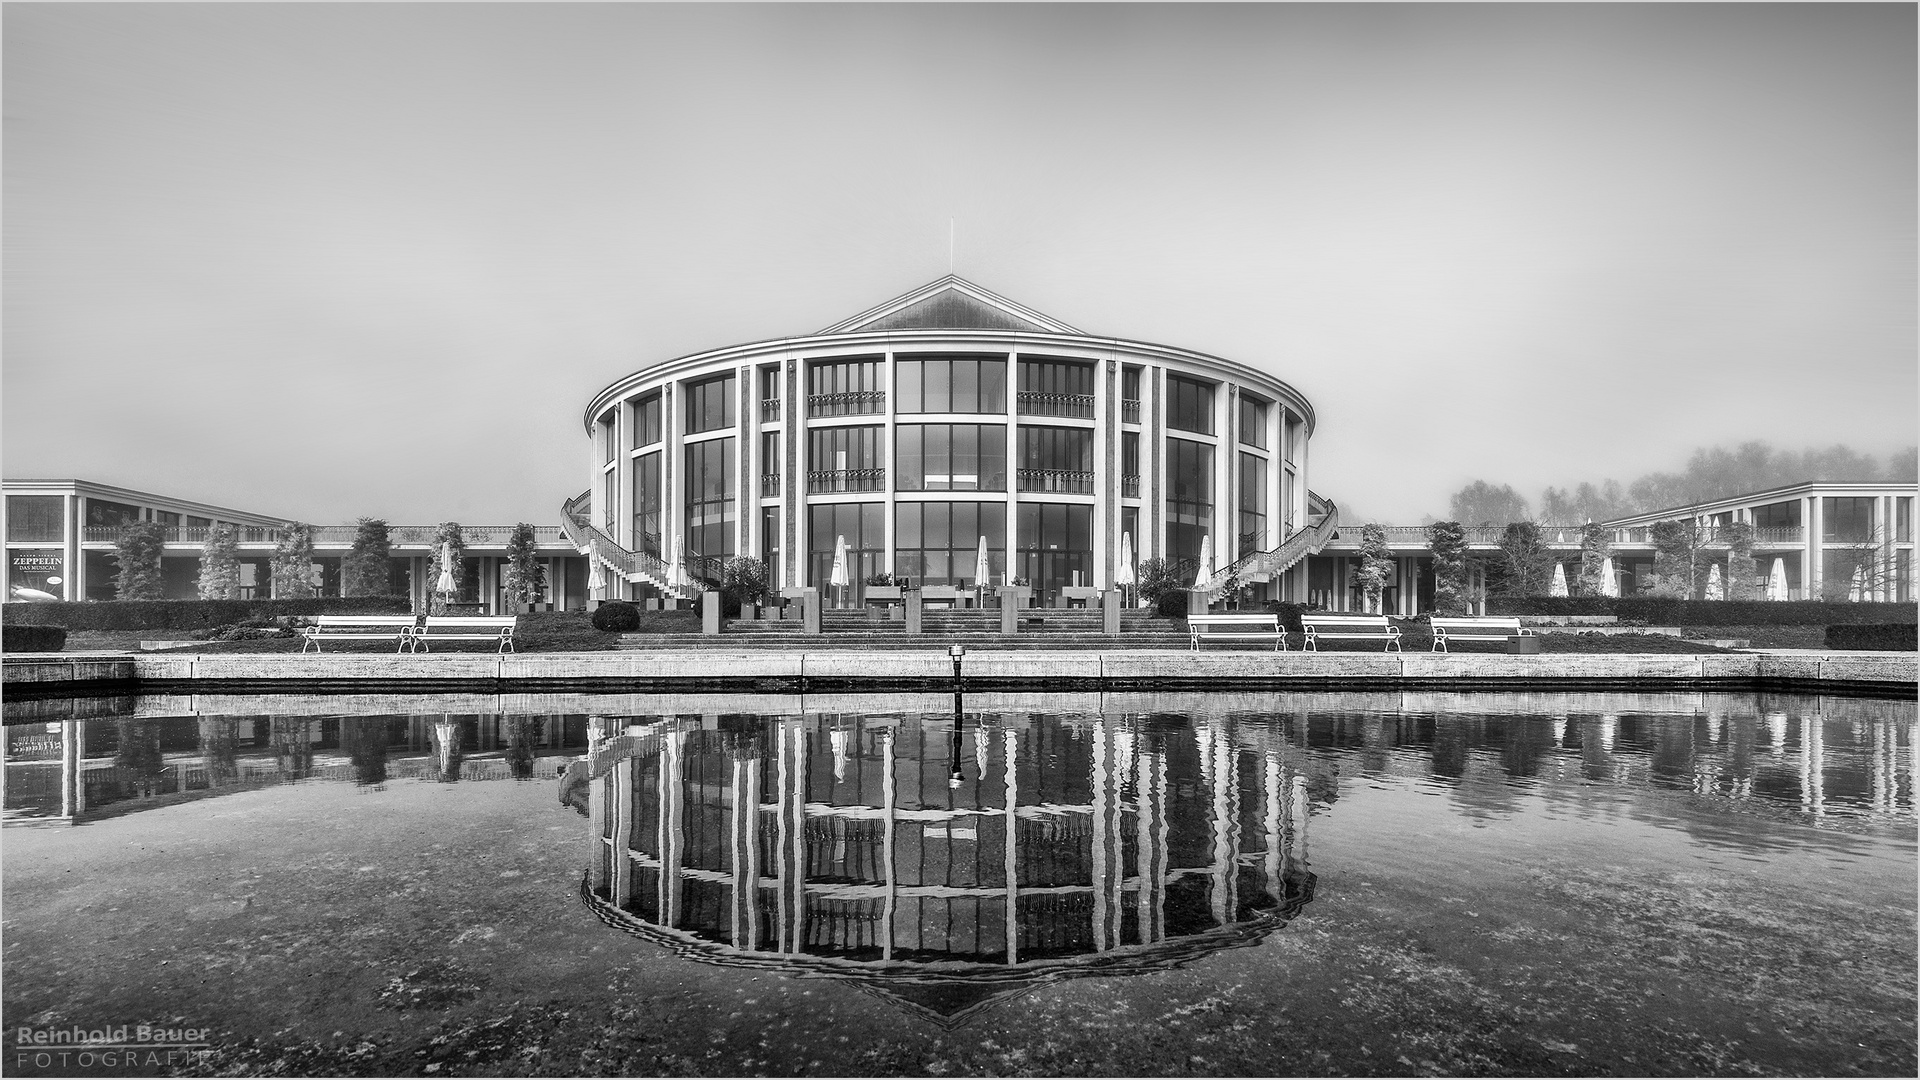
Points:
[(495, 628), (359, 628), (1474, 628), (1364, 627), (1242, 627)]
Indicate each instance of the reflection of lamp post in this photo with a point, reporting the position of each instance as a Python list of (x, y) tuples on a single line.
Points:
[(953, 745)]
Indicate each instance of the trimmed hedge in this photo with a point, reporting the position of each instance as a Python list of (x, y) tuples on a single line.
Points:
[(22, 638), (1659, 611), (1884, 637), (616, 616), (195, 614)]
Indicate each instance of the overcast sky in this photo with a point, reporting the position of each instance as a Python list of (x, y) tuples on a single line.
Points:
[(327, 261)]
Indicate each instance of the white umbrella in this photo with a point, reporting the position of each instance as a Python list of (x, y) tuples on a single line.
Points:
[(1609, 581), (1715, 590), (1777, 581), (1206, 564), (1558, 587), (980, 564), (445, 584), (677, 572), (1123, 574), (1856, 587), (837, 578), (595, 579)]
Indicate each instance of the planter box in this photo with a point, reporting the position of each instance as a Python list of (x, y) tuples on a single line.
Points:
[(1523, 645), (891, 593)]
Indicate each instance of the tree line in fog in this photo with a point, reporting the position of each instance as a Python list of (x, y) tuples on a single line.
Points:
[(1711, 473)]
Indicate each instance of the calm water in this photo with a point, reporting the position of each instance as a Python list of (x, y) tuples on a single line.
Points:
[(945, 856)]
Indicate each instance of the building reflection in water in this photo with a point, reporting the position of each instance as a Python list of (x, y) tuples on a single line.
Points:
[(945, 862)]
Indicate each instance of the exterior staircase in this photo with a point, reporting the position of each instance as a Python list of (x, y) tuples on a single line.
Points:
[(848, 629), (1265, 565), (598, 547)]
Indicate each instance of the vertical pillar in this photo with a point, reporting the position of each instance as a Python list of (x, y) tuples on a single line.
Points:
[(710, 613), (793, 554), (1812, 558), (1107, 410), (913, 604), (1110, 612), (810, 609), (1149, 544)]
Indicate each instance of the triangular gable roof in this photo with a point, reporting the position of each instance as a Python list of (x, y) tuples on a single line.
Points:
[(951, 303)]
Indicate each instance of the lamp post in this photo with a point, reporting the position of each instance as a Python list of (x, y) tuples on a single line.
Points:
[(956, 651)]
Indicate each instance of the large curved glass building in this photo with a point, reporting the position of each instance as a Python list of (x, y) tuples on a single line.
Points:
[(939, 421)]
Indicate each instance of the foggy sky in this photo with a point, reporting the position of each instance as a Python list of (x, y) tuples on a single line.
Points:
[(331, 261)]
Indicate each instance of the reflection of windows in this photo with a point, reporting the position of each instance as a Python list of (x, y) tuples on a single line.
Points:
[(35, 517), (845, 459), (1847, 520), (1189, 405), (646, 417), (1056, 388), (844, 388), (710, 498), (938, 543), (1189, 497), (1056, 459), (646, 503), (1253, 421), (709, 405), (1056, 545), (959, 384), (951, 457), (1253, 503)]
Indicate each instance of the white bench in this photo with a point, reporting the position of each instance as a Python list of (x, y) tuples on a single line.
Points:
[(1474, 628), (498, 628), (1368, 627), (1236, 628), (359, 628)]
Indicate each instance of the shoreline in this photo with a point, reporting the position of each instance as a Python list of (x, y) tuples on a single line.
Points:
[(769, 671)]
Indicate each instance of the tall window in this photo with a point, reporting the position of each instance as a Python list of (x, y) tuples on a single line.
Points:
[(1189, 405), (1130, 395), (646, 503), (646, 421), (103, 514), (770, 546), (1189, 497), (1847, 520), (1253, 421), (938, 543), (709, 404), (1778, 515), (769, 393), (1130, 464), (845, 387), (1289, 431), (951, 457), (951, 384), (711, 498), (1056, 459), (607, 434), (1253, 503), (1056, 388), (35, 517), (1903, 519), (1056, 545), (1903, 576), (1130, 528), (610, 500), (863, 526), (845, 459), (770, 464)]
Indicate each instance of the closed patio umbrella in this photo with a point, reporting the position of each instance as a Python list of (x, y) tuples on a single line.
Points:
[(1609, 580), (1123, 574), (837, 578), (1857, 585), (1777, 581), (980, 570), (1558, 586), (1715, 589), (677, 572), (1205, 573), (445, 584), (595, 579)]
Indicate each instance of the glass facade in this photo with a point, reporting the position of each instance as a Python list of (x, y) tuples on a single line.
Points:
[(845, 459), (1189, 405), (711, 498), (951, 457), (646, 419), (1253, 421), (1056, 388), (709, 404), (1129, 464), (1056, 459), (36, 518), (951, 384), (1903, 519), (1189, 497), (103, 514), (1846, 520), (771, 547), (1777, 515), (1253, 503), (769, 464), (938, 543), (646, 503), (607, 432), (1130, 395), (863, 526), (1055, 545), (845, 387)]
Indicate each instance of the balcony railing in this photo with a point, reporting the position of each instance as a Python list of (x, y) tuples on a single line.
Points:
[(770, 410), (850, 403), (1569, 536), (1129, 410), (1034, 403), (337, 535), (1130, 486), (1063, 481), (833, 480), (770, 486)]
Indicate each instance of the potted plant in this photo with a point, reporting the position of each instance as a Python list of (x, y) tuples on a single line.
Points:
[(881, 586)]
